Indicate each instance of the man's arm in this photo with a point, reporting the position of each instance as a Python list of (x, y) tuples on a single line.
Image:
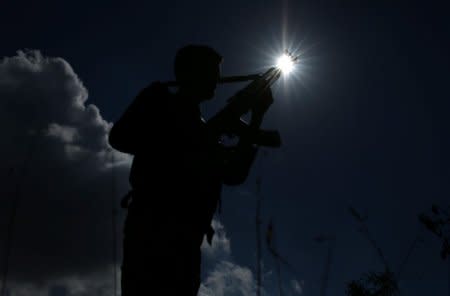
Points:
[(237, 162), (239, 159)]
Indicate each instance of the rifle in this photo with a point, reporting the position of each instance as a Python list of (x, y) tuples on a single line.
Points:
[(228, 121)]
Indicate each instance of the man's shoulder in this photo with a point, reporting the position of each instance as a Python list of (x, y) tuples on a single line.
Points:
[(155, 90), (155, 96)]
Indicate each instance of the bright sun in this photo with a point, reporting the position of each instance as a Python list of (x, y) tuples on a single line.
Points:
[(285, 63)]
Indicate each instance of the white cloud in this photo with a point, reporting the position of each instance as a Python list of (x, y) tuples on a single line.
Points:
[(228, 279), (63, 222), (67, 134), (224, 277), (220, 248), (297, 287), (99, 283)]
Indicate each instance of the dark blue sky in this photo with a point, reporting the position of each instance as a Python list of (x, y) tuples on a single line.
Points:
[(366, 125)]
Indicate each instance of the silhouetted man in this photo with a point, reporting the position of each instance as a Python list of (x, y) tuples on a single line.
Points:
[(177, 174)]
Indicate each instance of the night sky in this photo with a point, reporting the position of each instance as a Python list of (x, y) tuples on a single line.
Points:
[(363, 121)]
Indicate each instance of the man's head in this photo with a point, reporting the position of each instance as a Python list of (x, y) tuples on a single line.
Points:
[(197, 70)]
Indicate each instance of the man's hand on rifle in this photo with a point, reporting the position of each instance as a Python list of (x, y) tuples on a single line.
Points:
[(262, 105)]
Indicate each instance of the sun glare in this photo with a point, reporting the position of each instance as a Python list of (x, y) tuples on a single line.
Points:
[(285, 63)]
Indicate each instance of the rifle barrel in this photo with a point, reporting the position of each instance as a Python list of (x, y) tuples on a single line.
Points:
[(225, 79), (270, 76)]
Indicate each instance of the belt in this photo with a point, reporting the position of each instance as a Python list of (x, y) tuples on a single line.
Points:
[(126, 200)]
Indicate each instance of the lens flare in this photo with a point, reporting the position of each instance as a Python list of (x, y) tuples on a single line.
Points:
[(285, 63)]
